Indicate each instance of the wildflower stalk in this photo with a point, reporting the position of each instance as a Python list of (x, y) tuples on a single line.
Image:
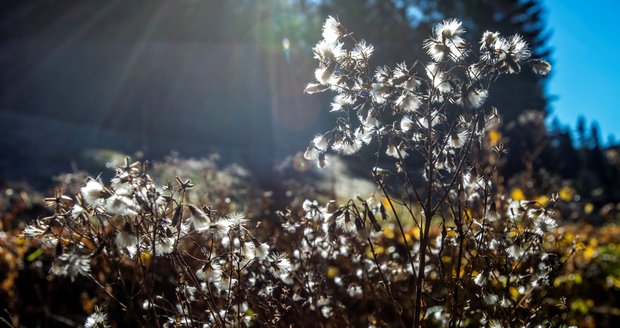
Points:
[(398, 221), (388, 289), (110, 295), (428, 217)]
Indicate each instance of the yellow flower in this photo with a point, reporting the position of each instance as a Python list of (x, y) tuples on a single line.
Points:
[(332, 271), (495, 137), (543, 200), (588, 208), (388, 233), (590, 252), (517, 194), (386, 203), (514, 292), (146, 258), (566, 193), (378, 250)]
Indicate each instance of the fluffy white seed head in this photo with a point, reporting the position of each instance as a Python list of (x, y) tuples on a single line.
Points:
[(448, 29), (93, 192), (332, 29)]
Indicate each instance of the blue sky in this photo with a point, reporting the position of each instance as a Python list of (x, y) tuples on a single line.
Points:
[(586, 57)]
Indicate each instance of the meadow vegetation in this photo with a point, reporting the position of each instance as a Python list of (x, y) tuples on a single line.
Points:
[(444, 239)]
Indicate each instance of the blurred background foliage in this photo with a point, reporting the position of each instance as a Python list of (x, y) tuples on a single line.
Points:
[(201, 77), (225, 76)]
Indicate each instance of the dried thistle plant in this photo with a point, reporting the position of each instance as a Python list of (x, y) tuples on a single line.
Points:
[(158, 259), (465, 255)]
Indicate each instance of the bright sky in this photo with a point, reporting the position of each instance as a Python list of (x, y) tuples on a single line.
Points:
[(586, 56)]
